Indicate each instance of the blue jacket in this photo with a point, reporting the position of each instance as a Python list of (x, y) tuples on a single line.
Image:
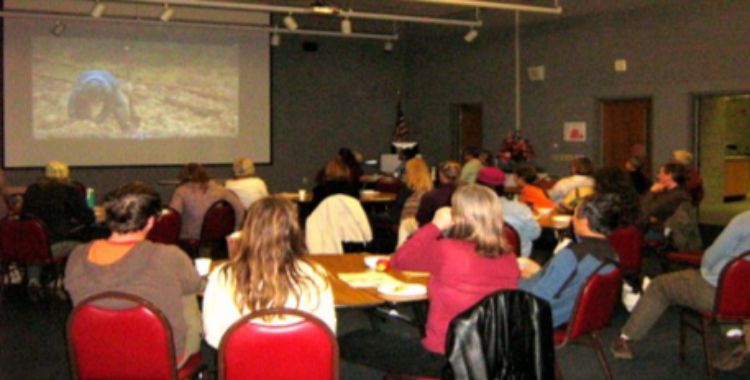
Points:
[(733, 241), (561, 278)]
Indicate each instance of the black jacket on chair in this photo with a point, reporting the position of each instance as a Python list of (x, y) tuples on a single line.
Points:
[(507, 335)]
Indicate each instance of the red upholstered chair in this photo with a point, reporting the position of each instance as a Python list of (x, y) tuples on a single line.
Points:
[(120, 336), (25, 241), (594, 307), (689, 258), (167, 227), (732, 305), (628, 242), (510, 235), (218, 223), (305, 348)]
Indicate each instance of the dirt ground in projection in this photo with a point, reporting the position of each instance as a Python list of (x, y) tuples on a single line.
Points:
[(174, 90)]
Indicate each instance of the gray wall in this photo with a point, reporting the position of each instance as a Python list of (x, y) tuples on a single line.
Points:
[(673, 52), (342, 95)]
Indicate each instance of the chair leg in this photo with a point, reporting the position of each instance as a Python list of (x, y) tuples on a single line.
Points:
[(707, 348), (597, 345)]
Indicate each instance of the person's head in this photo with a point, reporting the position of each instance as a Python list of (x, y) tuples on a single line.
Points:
[(595, 215), (478, 218), (130, 207), (493, 178), (265, 268), (672, 174), (193, 172), (470, 153), (485, 156), (348, 156), (57, 170), (634, 164), (616, 181), (336, 170), (449, 172), (243, 167), (682, 157), (417, 175), (582, 166), (526, 174)]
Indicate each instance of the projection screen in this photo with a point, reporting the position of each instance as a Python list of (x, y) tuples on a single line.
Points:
[(117, 94)]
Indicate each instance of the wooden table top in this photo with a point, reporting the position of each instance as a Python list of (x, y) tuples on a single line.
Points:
[(367, 196), (548, 221), (346, 296)]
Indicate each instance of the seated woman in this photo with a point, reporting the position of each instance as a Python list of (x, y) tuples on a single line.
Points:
[(562, 277), (466, 265), (336, 180), (127, 262), (245, 185), (418, 182), (195, 194), (530, 194), (268, 270)]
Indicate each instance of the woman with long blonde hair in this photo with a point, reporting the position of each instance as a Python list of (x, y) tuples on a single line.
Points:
[(268, 270), (418, 182), (463, 250)]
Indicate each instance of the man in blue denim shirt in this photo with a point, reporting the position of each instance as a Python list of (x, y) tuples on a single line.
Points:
[(692, 288), (560, 281)]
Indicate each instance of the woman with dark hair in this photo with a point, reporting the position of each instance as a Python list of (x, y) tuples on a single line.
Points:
[(463, 250), (625, 205), (336, 180), (127, 262), (350, 160), (195, 194), (268, 270)]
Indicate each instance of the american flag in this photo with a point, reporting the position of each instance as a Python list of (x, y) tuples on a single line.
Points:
[(401, 132)]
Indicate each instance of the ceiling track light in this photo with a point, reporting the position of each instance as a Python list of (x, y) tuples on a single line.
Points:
[(290, 22), (275, 39), (346, 26), (167, 13), (320, 7), (98, 9), (471, 35)]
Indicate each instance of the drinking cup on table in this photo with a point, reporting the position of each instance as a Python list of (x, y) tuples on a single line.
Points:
[(302, 194), (233, 242), (203, 266)]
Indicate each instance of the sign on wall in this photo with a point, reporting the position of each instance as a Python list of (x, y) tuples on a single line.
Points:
[(574, 131)]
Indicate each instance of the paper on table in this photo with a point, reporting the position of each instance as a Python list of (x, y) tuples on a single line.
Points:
[(367, 279)]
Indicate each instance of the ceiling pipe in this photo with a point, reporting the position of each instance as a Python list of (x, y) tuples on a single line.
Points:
[(211, 4), (556, 10), (209, 25)]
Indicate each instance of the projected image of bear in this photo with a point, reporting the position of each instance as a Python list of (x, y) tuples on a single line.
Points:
[(97, 96), (105, 88)]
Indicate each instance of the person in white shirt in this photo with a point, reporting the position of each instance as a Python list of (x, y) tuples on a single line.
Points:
[(247, 187), (268, 270), (582, 171)]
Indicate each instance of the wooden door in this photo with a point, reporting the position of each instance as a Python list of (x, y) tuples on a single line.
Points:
[(626, 126), (466, 119)]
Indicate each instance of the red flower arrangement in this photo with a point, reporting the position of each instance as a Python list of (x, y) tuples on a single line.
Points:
[(516, 148)]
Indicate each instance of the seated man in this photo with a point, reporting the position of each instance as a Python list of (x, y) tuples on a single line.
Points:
[(692, 288), (582, 171), (472, 165), (663, 199), (515, 213), (531, 194), (693, 180), (127, 262), (61, 205), (560, 281)]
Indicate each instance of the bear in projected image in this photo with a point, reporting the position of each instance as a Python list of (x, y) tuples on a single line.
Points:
[(96, 96)]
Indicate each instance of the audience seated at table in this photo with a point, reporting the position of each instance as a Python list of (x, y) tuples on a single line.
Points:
[(569, 190), (693, 180), (626, 203), (127, 262), (472, 165), (694, 288), (417, 181), (531, 194), (440, 196), (268, 270), (634, 167), (663, 199), (195, 194), (463, 251), (560, 280), (336, 180), (245, 184), (515, 213), (61, 204)]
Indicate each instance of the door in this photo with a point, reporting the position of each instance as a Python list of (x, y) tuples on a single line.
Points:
[(466, 121), (626, 126)]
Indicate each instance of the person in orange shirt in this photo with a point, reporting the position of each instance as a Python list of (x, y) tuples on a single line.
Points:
[(531, 194)]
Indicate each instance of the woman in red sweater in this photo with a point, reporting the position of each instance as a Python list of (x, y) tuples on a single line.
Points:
[(463, 251)]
